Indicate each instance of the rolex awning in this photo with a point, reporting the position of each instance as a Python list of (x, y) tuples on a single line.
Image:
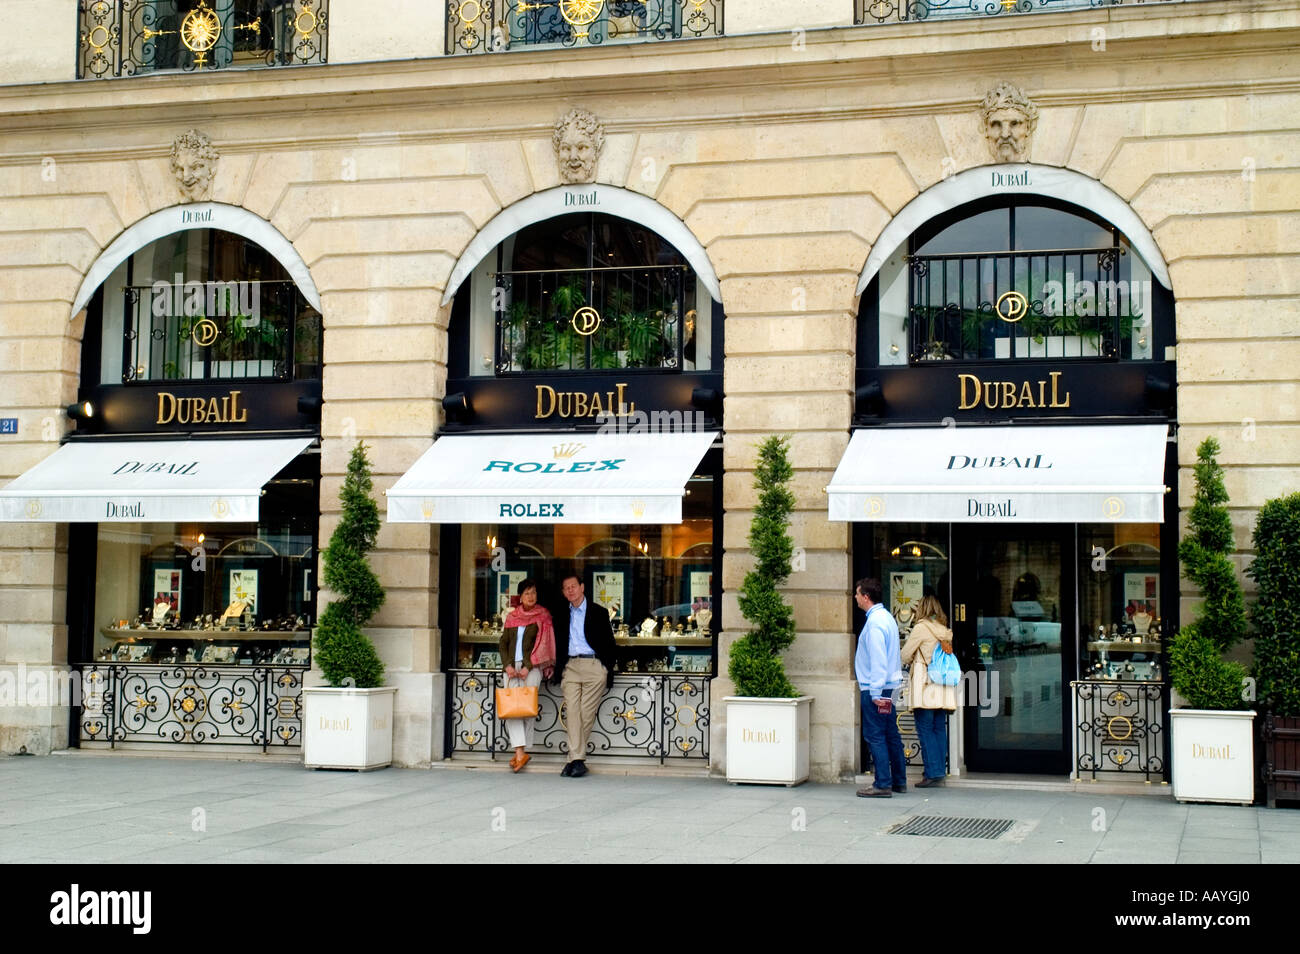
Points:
[(549, 478), (148, 481), (1085, 474)]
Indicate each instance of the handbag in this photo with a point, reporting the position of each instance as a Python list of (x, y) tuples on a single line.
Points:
[(944, 670), (519, 702)]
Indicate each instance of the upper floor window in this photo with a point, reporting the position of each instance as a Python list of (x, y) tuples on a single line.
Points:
[(903, 11), (587, 292), (202, 305), (477, 26), (1020, 279), (126, 37)]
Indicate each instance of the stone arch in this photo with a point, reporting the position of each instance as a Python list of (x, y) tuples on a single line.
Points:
[(596, 197), (197, 215), (1019, 179)]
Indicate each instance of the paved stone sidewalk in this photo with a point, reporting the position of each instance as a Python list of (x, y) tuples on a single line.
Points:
[(89, 809)]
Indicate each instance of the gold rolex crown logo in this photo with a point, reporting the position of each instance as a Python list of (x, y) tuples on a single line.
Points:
[(638, 508), (566, 450)]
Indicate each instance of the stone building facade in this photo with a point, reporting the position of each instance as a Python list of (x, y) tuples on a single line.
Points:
[(785, 147)]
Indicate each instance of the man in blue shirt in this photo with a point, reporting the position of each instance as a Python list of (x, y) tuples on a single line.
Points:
[(584, 664), (878, 666)]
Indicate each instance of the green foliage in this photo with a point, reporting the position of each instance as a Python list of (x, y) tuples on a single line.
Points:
[(1204, 553), (1200, 674), (1276, 570), (755, 666), (344, 653)]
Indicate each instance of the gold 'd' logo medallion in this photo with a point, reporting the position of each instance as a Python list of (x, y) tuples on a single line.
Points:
[(205, 332), (1012, 306), (585, 320)]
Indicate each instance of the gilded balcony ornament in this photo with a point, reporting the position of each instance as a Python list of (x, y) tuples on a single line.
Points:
[(581, 13)]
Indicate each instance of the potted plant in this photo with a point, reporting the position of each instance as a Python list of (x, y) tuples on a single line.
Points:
[(349, 724), (1276, 571), (767, 720), (1212, 738)]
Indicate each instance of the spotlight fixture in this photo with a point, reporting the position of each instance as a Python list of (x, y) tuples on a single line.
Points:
[(310, 404), (869, 398), (81, 411), (456, 406)]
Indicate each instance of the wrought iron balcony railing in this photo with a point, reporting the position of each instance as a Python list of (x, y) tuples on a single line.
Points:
[(211, 330), (1070, 303), (126, 37), (482, 26), (592, 318), (903, 11)]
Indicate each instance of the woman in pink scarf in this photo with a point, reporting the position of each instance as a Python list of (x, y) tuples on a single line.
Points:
[(528, 651)]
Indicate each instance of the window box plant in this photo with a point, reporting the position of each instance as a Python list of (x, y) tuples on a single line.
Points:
[(349, 723), (1276, 571), (1212, 737), (768, 722)]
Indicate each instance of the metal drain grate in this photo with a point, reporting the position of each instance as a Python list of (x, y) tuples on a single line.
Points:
[(939, 826)]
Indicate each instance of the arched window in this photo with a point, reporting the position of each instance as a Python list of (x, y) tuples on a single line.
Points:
[(201, 305), (585, 293), (1012, 279)]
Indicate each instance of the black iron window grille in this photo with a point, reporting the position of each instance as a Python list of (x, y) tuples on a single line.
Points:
[(192, 704), (1071, 303), (128, 37), (659, 716), (1119, 728), (200, 331), (904, 11), (593, 319), (480, 26)]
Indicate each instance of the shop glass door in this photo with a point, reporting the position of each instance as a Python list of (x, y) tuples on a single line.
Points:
[(1014, 627)]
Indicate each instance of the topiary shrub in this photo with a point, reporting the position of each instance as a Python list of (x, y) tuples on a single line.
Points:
[(1276, 570), (755, 665), (344, 653), (1200, 674)]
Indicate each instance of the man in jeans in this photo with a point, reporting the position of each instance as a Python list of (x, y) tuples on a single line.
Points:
[(879, 668)]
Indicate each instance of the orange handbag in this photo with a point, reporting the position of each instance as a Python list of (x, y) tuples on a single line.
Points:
[(517, 703)]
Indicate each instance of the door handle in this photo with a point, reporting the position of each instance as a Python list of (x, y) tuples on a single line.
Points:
[(960, 615)]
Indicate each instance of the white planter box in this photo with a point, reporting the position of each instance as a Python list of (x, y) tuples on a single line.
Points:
[(348, 728), (1213, 755), (767, 739)]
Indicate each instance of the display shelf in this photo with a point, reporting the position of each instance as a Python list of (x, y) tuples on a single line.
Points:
[(1121, 646), (190, 635), (663, 640)]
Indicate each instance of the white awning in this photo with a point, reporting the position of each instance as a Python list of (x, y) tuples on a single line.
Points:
[(549, 478), (1086, 474), (148, 481)]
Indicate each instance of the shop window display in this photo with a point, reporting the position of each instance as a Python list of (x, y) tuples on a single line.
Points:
[(656, 582), (217, 593), (1121, 609)]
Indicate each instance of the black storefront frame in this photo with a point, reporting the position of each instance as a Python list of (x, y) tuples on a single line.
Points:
[(501, 403), (1106, 391), (292, 410)]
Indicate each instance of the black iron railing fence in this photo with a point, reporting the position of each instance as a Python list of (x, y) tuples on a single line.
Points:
[(494, 26), (1119, 727), (192, 704), (1067, 303), (592, 318), (903, 11), (127, 37), (214, 330), (663, 716)]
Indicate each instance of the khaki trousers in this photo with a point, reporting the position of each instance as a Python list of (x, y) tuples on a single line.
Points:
[(584, 688)]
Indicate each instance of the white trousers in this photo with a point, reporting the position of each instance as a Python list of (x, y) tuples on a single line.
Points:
[(520, 731)]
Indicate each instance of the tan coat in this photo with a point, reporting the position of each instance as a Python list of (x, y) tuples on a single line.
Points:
[(917, 653)]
